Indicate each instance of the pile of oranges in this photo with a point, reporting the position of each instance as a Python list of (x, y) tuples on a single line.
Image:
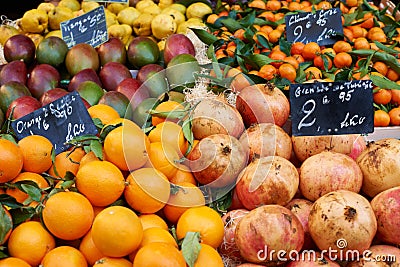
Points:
[(132, 204), (369, 48)]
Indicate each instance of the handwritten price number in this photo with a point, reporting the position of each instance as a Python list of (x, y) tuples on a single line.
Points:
[(308, 112), (345, 96)]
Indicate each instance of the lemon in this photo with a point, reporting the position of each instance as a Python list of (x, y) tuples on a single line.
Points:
[(198, 10), (192, 22), (178, 16), (163, 25)]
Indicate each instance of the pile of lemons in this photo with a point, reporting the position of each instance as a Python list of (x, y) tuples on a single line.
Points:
[(124, 20)]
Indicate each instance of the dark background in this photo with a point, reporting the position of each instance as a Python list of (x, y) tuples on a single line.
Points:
[(16, 9)]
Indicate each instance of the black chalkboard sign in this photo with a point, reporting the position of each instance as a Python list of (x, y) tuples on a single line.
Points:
[(90, 28), (59, 121), (331, 108), (324, 27)]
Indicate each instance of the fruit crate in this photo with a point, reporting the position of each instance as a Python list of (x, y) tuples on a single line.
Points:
[(383, 132)]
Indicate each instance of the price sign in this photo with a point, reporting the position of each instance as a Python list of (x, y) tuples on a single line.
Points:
[(331, 108), (59, 121), (324, 27), (90, 28)]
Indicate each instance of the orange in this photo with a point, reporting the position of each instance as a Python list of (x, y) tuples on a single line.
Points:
[(204, 220), (164, 158), (357, 31), (381, 118), (361, 43), (147, 191), (341, 46), (183, 174), (368, 21), (159, 254), (313, 73), (348, 34), (324, 5), (212, 18), (273, 5), (392, 75), (112, 262), (152, 220), (381, 67), (257, 4), (117, 231), (21, 196), (382, 96), (292, 60), (169, 132), (394, 115), (287, 71), (167, 106), (395, 95), (257, 38), (208, 256), (297, 48), (187, 195), (68, 215), (342, 60), (310, 51), (36, 151), (66, 161), (126, 147), (7, 224), (294, 6), (30, 241), (319, 62), (268, 72), (351, 3), (13, 262), (277, 55), (64, 256), (274, 36), (89, 250), (89, 157), (11, 160), (101, 182), (266, 28), (103, 112)]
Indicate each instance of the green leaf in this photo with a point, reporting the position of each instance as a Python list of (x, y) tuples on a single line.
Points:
[(97, 122), (191, 247), (188, 133), (6, 224), (9, 201), (263, 41), (285, 46), (384, 83), (97, 148), (248, 20), (106, 130), (385, 48), (34, 192), (3, 255), (22, 214), (232, 24), (260, 59), (204, 36), (174, 189)]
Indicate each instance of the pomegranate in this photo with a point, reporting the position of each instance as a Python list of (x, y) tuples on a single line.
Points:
[(342, 222), (267, 180), (380, 165), (266, 139), (217, 160), (263, 103), (349, 144), (386, 206), (216, 116), (339, 172), (228, 247), (235, 201), (312, 258), (267, 230), (301, 208), (378, 256)]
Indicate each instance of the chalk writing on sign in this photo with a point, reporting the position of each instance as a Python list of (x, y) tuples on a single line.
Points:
[(90, 28), (60, 121), (324, 26), (329, 108)]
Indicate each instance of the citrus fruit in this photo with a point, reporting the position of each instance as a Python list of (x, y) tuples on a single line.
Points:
[(36, 151), (103, 112), (187, 195), (394, 114), (11, 160), (381, 118), (208, 256), (173, 107), (163, 157), (68, 215), (159, 254), (13, 262), (168, 132), (152, 220), (183, 174), (204, 220), (117, 231), (101, 182), (66, 161), (64, 256), (21, 196), (89, 250), (147, 190), (127, 147), (30, 241), (112, 262)]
